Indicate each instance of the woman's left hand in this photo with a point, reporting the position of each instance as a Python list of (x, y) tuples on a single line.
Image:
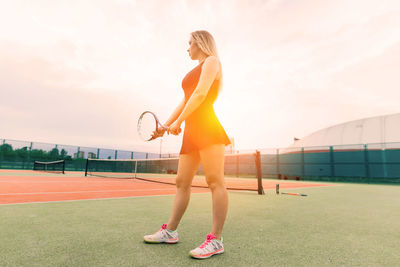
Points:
[(175, 128)]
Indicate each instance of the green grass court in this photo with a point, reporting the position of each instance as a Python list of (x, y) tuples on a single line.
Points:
[(342, 225)]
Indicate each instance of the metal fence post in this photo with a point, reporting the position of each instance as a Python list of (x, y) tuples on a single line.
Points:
[(302, 162), (1, 154), (30, 150), (366, 162), (384, 164), (331, 161)]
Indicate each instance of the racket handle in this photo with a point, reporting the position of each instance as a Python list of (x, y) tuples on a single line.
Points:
[(165, 128)]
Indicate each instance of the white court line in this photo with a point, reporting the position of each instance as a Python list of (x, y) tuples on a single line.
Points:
[(78, 192), (85, 181), (75, 200), (50, 182)]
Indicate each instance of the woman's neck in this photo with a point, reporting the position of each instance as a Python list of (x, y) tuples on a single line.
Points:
[(202, 58)]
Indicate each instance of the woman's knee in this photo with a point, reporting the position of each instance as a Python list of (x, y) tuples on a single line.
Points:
[(215, 181), (182, 183)]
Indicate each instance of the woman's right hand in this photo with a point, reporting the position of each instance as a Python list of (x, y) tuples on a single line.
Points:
[(175, 128)]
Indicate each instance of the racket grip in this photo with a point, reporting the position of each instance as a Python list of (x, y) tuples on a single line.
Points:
[(165, 128)]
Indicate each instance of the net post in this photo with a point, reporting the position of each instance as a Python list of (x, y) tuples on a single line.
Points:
[(259, 174), (87, 165), (63, 167), (237, 165)]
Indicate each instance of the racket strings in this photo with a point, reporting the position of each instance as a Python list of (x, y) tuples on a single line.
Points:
[(147, 125)]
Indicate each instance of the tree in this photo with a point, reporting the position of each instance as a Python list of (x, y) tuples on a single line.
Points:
[(7, 152), (38, 154), (22, 153), (54, 154), (63, 153)]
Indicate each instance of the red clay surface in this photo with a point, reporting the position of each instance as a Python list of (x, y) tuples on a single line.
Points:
[(17, 186)]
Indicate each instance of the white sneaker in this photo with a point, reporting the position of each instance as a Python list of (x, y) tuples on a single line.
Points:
[(162, 236), (210, 247)]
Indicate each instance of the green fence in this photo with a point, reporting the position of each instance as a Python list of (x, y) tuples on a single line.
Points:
[(367, 163)]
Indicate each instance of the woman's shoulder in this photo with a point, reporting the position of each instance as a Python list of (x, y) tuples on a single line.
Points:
[(211, 63), (211, 60)]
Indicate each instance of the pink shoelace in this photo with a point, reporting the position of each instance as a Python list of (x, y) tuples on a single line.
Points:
[(163, 227), (208, 240)]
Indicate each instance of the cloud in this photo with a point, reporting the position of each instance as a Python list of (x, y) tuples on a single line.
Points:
[(43, 101), (290, 67)]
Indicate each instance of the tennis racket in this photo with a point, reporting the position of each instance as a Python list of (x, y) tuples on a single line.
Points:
[(148, 125), (294, 194)]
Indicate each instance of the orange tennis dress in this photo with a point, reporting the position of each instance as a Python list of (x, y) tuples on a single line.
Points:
[(202, 127)]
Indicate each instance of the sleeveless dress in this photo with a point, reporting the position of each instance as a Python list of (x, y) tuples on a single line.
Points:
[(202, 127)]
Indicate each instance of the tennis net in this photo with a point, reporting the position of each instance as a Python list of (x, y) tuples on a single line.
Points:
[(242, 171), (51, 166)]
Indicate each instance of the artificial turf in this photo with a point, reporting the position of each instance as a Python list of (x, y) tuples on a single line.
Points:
[(345, 224)]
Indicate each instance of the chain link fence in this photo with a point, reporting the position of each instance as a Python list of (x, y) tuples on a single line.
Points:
[(368, 163), (15, 154)]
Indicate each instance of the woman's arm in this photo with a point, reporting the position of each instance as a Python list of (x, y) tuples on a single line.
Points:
[(176, 113), (161, 130), (208, 73)]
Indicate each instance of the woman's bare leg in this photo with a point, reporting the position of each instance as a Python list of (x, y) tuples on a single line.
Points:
[(212, 159), (187, 168)]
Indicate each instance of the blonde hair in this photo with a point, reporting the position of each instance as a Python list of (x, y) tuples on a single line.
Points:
[(205, 41)]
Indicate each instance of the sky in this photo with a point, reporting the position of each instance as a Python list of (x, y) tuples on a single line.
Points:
[(81, 72)]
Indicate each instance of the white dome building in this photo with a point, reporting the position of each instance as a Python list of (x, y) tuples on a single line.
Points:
[(366, 150), (380, 129)]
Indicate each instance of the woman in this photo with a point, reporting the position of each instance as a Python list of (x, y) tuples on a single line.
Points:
[(204, 142)]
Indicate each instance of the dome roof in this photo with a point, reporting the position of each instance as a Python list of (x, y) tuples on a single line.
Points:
[(380, 129)]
